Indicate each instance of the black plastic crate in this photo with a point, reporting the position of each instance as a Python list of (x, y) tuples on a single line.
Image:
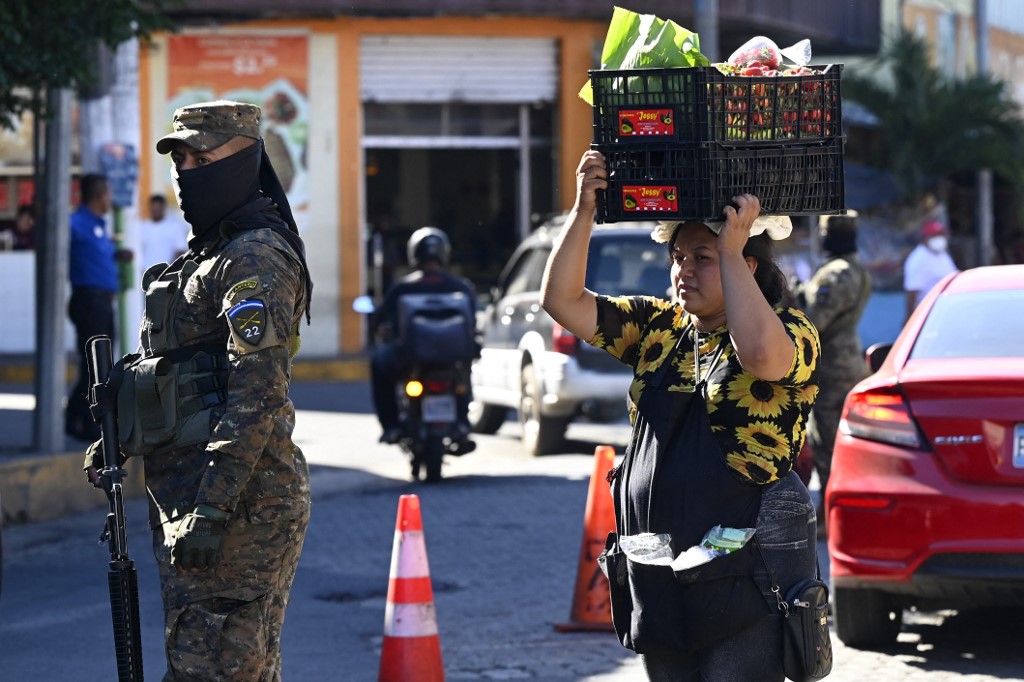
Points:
[(696, 181), (701, 104)]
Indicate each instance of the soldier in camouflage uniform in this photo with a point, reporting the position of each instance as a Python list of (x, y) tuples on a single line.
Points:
[(834, 299), (205, 403)]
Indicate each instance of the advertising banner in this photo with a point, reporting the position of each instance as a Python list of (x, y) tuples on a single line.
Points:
[(268, 70)]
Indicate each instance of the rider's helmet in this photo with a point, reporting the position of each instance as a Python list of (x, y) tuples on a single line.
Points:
[(428, 244)]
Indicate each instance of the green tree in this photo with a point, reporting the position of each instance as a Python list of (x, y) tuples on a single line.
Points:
[(53, 44), (934, 127)]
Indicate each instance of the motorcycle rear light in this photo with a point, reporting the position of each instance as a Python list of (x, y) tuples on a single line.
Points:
[(882, 416), (563, 341), (413, 389), (437, 386)]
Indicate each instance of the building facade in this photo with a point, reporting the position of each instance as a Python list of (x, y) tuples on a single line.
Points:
[(384, 117)]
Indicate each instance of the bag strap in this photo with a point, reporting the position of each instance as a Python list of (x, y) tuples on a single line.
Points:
[(781, 603)]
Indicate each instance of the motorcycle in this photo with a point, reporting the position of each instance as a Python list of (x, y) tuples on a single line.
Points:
[(436, 338), (428, 417)]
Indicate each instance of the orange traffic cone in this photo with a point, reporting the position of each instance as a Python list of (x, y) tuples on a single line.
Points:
[(591, 608), (412, 649)]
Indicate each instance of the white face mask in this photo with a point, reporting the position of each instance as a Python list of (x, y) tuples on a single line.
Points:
[(937, 244)]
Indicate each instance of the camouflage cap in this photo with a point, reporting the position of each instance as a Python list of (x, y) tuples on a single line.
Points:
[(208, 125)]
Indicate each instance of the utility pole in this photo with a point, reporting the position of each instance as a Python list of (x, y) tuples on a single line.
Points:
[(706, 27), (985, 218), (52, 276)]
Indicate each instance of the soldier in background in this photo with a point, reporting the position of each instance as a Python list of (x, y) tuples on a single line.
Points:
[(209, 406), (834, 299)]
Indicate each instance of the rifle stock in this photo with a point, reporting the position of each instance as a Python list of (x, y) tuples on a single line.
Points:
[(122, 579)]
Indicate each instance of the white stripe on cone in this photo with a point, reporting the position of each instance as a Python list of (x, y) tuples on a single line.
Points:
[(409, 556), (410, 620)]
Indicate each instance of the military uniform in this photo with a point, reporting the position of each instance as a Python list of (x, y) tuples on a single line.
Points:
[(205, 404), (834, 300)]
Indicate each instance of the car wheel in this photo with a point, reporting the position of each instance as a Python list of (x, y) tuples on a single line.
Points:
[(541, 434), (866, 618), (485, 418)]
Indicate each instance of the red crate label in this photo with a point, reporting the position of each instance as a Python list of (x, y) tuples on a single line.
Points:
[(645, 122), (650, 198)]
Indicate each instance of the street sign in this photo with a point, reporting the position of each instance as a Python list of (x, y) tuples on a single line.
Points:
[(121, 166)]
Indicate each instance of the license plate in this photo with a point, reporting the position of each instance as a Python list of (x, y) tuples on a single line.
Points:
[(1018, 446), (438, 408)]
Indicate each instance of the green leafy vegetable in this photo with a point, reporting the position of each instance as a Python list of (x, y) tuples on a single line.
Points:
[(639, 41)]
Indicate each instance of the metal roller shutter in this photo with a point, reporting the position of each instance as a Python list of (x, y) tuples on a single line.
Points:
[(457, 69)]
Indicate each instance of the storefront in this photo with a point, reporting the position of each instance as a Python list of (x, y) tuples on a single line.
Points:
[(381, 126)]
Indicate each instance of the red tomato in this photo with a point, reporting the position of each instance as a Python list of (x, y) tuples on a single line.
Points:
[(752, 71)]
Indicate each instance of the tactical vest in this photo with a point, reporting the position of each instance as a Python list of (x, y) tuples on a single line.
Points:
[(168, 392)]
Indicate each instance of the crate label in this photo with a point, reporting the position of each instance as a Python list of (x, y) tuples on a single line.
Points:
[(646, 122), (650, 198)]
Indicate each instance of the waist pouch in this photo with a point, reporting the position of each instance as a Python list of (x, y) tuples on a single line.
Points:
[(167, 400), (656, 610)]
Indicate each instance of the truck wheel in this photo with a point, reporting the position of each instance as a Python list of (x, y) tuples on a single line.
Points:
[(485, 418), (541, 434), (866, 619)]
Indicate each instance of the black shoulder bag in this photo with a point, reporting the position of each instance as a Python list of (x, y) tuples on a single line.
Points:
[(806, 644)]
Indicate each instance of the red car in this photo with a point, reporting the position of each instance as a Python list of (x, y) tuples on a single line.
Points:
[(925, 504)]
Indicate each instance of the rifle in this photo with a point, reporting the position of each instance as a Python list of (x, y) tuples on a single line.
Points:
[(121, 578)]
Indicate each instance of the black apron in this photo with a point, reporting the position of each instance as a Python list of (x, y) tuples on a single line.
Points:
[(674, 479)]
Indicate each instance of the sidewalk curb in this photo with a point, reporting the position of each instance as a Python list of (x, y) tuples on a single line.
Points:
[(40, 487), (44, 487), (327, 369)]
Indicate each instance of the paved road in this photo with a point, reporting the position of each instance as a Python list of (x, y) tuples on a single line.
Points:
[(502, 533)]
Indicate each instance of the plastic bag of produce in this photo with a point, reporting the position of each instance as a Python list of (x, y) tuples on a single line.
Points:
[(763, 51)]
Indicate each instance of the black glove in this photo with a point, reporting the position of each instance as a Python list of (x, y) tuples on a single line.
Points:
[(198, 537)]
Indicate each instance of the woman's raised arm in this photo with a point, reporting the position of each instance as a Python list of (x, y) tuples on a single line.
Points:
[(563, 293)]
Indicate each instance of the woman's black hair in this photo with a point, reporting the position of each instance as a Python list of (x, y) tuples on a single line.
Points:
[(769, 277)]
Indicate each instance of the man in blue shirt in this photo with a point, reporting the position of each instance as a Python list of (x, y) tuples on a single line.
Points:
[(94, 283)]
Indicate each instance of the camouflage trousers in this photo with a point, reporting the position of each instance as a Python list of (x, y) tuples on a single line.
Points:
[(821, 431), (224, 624)]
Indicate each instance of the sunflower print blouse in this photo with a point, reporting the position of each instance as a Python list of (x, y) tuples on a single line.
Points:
[(759, 424)]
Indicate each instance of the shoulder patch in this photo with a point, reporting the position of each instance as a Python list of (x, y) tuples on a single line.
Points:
[(246, 286), (248, 318)]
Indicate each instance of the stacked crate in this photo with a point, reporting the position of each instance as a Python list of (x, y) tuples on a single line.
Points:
[(681, 142)]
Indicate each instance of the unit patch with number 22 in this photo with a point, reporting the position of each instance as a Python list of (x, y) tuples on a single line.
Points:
[(248, 318)]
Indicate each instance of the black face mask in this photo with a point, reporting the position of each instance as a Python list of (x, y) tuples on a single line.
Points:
[(208, 193)]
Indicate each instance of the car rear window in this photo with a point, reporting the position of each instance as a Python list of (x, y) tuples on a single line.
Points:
[(627, 266), (974, 324)]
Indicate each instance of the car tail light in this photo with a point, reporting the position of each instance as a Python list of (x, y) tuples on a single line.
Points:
[(413, 389), (563, 341), (880, 415)]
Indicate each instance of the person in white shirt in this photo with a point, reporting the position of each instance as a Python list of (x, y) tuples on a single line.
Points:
[(927, 264), (164, 236)]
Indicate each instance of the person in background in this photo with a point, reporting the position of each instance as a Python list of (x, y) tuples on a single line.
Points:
[(24, 232), (723, 380), (428, 252), (927, 264), (164, 236), (94, 284), (834, 299), (228, 488)]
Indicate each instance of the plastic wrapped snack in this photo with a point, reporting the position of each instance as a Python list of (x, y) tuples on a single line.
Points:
[(648, 548)]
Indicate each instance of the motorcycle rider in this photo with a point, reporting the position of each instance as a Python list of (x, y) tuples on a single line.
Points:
[(428, 251)]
